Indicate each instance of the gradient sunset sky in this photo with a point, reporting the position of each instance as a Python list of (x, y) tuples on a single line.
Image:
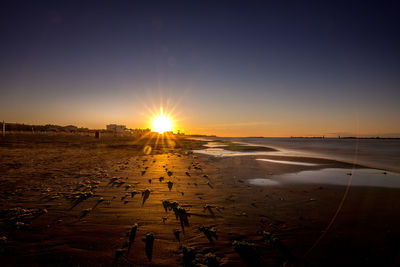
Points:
[(231, 68)]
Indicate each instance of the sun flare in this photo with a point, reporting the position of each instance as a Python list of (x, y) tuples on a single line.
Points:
[(162, 123)]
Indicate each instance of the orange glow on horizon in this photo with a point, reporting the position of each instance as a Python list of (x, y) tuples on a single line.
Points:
[(162, 123)]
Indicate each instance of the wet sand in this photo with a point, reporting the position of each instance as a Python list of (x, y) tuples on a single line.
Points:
[(72, 200)]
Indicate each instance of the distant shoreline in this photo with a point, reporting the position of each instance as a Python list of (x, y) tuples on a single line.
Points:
[(15, 127), (318, 137)]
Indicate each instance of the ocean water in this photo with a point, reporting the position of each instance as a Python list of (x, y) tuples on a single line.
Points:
[(373, 153)]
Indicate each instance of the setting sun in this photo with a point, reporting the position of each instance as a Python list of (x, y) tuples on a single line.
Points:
[(162, 123)]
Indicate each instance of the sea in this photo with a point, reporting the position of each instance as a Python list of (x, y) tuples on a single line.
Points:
[(381, 154)]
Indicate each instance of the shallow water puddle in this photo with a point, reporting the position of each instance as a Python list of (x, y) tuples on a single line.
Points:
[(216, 149), (289, 162), (263, 182), (220, 152), (335, 176)]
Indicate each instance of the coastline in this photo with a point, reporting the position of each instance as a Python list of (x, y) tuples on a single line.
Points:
[(373, 153), (214, 191)]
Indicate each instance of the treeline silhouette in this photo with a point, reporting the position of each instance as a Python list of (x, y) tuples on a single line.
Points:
[(20, 127)]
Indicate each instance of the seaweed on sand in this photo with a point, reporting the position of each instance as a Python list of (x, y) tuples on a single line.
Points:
[(134, 193), (276, 243), (210, 185), (209, 209), (211, 260), (132, 236), (118, 254), (149, 241), (85, 212), (166, 204), (80, 196), (170, 184), (128, 186), (124, 196), (180, 212), (187, 173), (145, 195), (119, 184), (16, 215), (174, 205), (177, 233), (101, 199), (247, 252), (113, 179), (189, 256), (116, 181), (161, 179), (209, 232)]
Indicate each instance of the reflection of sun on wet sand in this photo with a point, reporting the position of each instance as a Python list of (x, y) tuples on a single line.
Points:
[(69, 200)]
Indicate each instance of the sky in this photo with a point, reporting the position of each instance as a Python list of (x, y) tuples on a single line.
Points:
[(230, 68)]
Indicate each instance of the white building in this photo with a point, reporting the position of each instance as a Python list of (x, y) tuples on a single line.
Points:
[(116, 128)]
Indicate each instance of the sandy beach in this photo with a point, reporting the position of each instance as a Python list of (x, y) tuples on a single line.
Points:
[(70, 200)]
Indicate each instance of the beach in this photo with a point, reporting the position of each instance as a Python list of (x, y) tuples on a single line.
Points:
[(69, 200)]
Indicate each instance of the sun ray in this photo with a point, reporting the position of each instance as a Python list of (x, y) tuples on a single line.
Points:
[(162, 123)]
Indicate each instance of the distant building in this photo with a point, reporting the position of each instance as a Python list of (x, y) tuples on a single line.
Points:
[(138, 132), (116, 128), (71, 128), (52, 129)]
